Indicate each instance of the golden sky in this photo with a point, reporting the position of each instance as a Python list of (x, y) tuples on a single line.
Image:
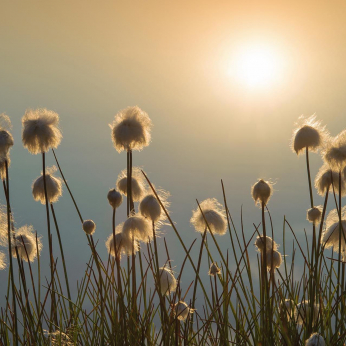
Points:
[(180, 62)]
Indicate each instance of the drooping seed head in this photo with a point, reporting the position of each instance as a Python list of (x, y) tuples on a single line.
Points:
[(274, 259), (327, 179), (335, 153), (139, 227), (53, 184), (138, 186), (214, 269), (314, 214), (89, 227), (122, 244), (40, 130), (214, 215), (4, 227), (114, 198), (315, 340), (168, 282), (303, 310), (262, 191), (182, 310), (309, 134), (261, 243), (25, 242), (131, 129)]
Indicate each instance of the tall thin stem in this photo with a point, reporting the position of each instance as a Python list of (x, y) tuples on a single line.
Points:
[(7, 193), (53, 312)]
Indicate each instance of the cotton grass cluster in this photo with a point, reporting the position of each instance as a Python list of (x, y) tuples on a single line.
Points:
[(182, 310), (138, 186), (53, 184), (150, 208), (40, 130), (6, 139), (114, 198), (25, 243), (138, 227), (315, 340), (89, 227), (214, 215), (262, 191), (309, 134), (131, 129), (168, 282), (303, 310), (121, 244), (330, 236), (327, 180), (262, 242), (335, 153), (314, 214)]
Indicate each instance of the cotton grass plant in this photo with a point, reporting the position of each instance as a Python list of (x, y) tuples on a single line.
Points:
[(128, 296)]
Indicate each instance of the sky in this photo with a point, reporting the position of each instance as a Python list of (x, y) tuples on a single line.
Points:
[(183, 63)]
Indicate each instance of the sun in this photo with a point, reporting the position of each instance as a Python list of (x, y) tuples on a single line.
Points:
[(256, 66)]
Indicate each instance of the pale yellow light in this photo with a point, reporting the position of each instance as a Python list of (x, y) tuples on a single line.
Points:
[(256, 66)]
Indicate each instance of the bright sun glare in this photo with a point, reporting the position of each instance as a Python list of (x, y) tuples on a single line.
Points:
[(256, 66)]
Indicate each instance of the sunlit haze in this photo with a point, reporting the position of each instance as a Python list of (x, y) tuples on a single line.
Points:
[(256, 66)]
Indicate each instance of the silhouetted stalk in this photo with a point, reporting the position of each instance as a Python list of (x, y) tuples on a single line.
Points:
[(198, 268), (265, 292), (157, 279), (54, 317), (311, 277), (62, 257), (7, 194)]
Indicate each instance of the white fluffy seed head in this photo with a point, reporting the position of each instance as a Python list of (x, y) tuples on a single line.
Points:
[(89, 227), (53, 184), (58, 338), (326, 178), (3, 160), (6, 139), (25, 241), (2, 261), (310, 133), (214, 215), (274, 259), (314, 214), (330, 236), (114, 198), (214, 270), (182, 310), (4, 227), (139, 227), (315, 340), (40, 130), (262, 191), (131, 129), (122, 243), (150, 208), (261, 243), (138, 185), (288, 307), (335, 153), (168, 282), (302, 312)]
